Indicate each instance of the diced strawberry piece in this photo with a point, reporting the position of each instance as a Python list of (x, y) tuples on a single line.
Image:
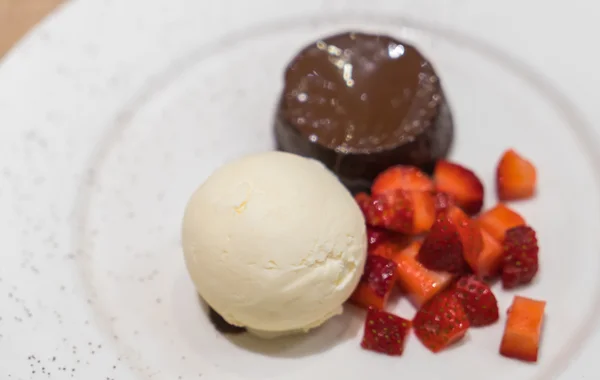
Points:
[(441, 322), (516, 177), (363, 200), (424, 211), (498, 220), (409, 212), (442, 249), (420, 283), (376, 283), (377, 235), (478, 300), (523, 329), (454, 237), (487, 264), (460, 182), (402, 178), (385, 332), (520, 257), (393, 211), (468, 230), (443, 201), (390, 247)]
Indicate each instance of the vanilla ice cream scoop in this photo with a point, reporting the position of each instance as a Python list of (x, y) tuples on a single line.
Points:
[(274, 243)]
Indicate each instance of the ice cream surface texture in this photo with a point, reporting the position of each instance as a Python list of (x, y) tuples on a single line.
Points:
[(274, 242)]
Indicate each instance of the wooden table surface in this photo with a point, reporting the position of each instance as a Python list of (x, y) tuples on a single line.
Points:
[(18, 16)]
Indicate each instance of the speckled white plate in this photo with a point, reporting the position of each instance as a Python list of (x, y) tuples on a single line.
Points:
[(113, 112)]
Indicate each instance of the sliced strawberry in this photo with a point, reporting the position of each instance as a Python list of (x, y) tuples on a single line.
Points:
[(409, 212), (516, 177), (520, 257), (420, 283), (523, 329), (488, 262), (460, 182), (498, 220), (377, 235), (402, 178), (441, 321), (442, 249), (443, 201), (376, 283), (479, 301), (385, 332)]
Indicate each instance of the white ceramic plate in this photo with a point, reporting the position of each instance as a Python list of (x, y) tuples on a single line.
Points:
[(103, 137)]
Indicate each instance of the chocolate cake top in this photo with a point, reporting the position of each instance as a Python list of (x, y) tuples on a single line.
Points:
[(358, 93)]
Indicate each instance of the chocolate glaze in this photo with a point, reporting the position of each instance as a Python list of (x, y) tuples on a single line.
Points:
[(361, 103)]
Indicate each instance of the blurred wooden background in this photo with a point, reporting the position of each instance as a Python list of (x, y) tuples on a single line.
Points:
[(18, 16)]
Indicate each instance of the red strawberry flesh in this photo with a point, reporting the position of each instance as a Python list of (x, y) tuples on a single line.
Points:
[(463, 184), (499, 219), (376, 283), (478, 300), (442, 249), (392, 210), (376, 235), (385, 332), (403, 211), (443, 201), (390, 247), (469, 232), (516, 177), (520, 257), (402, 178), (441, 322), (523, 330), (364, 202), (379, 274)]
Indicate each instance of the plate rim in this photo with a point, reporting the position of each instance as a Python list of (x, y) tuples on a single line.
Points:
[(17, 54)]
